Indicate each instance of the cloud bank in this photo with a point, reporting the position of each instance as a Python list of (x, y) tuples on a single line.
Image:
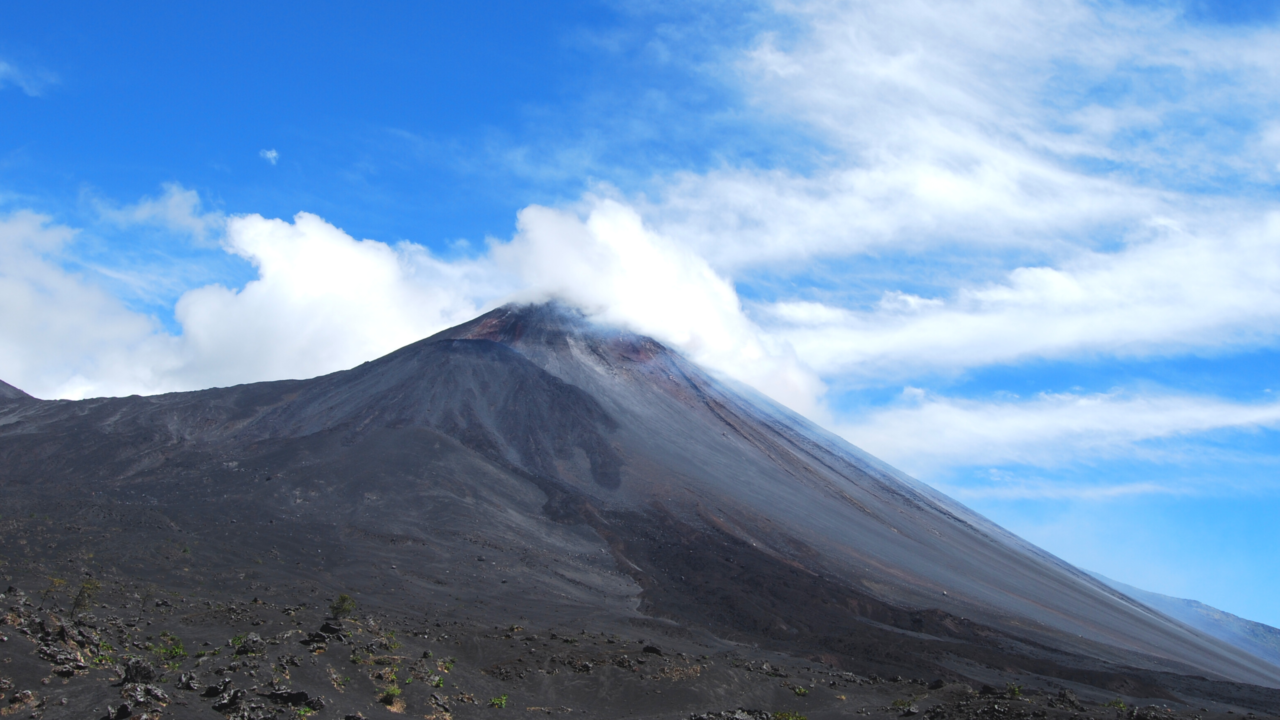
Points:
[(324, 301)]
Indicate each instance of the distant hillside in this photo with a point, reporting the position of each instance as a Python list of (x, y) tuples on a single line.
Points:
[(1260, 640)]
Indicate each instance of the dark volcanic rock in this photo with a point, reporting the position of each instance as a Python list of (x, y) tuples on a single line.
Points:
[(137, 670)]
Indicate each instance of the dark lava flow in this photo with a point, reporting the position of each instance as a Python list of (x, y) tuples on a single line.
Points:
[(536, 500)]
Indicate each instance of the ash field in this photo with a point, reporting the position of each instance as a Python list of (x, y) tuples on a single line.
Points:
[(531, 516)]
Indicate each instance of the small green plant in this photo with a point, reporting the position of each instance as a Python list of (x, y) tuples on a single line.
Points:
[(498, 702), (900, 704), (1117, 704), (1012, 690), (389, 695), (237, 640), (788, 715), (800, 691), (437, 681), (304, 712), (343, 606), (171, 651)]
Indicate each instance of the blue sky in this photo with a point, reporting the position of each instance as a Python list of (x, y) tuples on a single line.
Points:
[(1029, 253)]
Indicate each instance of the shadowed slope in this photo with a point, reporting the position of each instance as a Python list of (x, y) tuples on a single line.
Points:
[(9, 392)]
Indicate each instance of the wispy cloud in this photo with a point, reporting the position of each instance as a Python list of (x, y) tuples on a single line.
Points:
[(989, 124), (1175, 290), (31, 82), (1040, 489), (926, 433), (270, 156), (177, 209)]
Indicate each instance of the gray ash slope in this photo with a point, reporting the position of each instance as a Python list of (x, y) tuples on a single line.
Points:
[(1254, 638), (527, 464)]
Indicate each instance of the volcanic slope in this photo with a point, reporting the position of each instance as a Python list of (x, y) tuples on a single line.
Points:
[(531, 465)]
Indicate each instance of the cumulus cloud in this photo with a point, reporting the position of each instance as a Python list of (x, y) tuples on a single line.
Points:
[(925, 433), (616, 269), (324, 301)]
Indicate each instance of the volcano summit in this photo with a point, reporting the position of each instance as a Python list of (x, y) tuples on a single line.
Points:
[(673, 545)]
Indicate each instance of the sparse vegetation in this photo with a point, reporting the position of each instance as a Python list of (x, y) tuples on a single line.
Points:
[(1117, 704), (788, 715), (389, 695), (84, 596), (56, 586), (1013, 690), (801, 691), (498, 702), (343, 607)]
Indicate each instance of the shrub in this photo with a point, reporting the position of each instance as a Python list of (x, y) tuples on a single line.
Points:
[(498, 702), (1117, 704), (343, 606)]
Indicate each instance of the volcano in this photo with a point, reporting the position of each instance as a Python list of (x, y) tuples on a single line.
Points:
[(530, 468)]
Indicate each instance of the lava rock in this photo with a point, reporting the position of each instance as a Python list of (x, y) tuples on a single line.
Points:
[(739, 714), (188, 681), (221, 688), (253, 644), (138, 670), (229, 701)]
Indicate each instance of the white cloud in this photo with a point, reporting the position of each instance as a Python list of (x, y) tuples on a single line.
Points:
[(1178, 291), (1040, 126), (32, 83), (925, 433), (617, 269), (324, 301), (176, 209), (60, 334), (270, 156)]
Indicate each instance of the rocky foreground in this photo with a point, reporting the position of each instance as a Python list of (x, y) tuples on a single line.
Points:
[(85, 650)]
